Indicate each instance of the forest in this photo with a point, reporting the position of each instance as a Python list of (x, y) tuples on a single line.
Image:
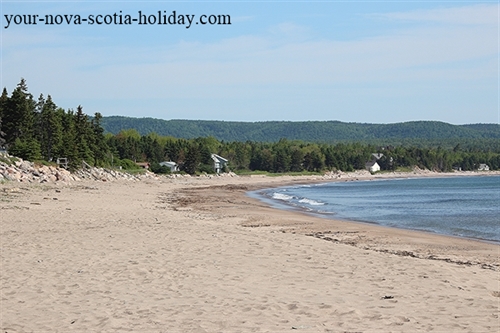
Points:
[(413, 133), (38, 130)]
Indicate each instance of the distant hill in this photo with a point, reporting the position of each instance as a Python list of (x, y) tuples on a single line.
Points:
[(312, 131)]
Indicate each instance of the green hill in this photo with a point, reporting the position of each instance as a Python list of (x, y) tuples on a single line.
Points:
[(312, 131)]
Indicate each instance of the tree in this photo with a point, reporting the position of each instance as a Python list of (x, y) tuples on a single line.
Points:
[(192, 159), (19, 114), (4, 100), (83, 135), (2, 135), (266, 160), (27, 149), (282, 159), (99, 147), (296, 160), (69, 148), (50, 129)]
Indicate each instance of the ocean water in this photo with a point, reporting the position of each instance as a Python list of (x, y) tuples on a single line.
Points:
[(458, 206)]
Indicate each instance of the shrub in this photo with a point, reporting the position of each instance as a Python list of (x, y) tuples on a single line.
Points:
[(159, 169)]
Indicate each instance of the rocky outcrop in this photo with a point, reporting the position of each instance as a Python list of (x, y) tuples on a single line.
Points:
[(16, 169)]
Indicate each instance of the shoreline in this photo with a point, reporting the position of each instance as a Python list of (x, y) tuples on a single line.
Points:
[(199, 255), (260, 195), (409, 240)]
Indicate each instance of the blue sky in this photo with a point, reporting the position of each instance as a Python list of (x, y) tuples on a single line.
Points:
[(355, 61)]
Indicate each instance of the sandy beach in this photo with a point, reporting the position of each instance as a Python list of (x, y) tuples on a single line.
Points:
[(199, 255)]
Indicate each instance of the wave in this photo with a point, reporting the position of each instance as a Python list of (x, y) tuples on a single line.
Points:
[(311, 202), (461, 206), (281, 196)]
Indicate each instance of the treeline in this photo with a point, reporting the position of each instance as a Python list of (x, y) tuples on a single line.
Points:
[(39, 130), (193, 155), (414, 133)]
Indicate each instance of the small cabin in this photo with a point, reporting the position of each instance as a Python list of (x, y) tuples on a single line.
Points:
[(372, 166), (219, 163), (171, 165)]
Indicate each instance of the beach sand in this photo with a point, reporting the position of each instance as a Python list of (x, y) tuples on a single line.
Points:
[(198, 255)]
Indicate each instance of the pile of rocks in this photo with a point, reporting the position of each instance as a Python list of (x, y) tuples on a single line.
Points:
[(342, 175), (16, 169), (110, 175)]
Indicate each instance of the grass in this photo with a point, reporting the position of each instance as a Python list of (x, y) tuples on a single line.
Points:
[(8, 160), (134, 171), (42, 162)]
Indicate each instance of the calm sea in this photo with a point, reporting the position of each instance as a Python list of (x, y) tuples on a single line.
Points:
[(459, 206)]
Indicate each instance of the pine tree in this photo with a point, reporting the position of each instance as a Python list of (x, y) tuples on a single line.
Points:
[(51, 131), (192, 159), (4, 100), (20, 117), (27, 149), (69, 148), (83, 135), (99, 147), (2, 136), (20, 123)]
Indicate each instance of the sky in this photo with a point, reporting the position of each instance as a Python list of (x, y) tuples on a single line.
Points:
[(352, 61)]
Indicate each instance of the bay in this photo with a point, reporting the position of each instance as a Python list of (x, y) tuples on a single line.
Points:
[(458, 206)]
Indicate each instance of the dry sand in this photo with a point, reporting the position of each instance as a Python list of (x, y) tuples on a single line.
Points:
[(197, 255)]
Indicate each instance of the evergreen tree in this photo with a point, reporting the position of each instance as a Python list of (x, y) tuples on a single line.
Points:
[(27, 149), (296, 160), (205, 154), (2, 135), (4, 100), (99, 146), (282, 159), (50, 129), (19, 115), (192, 159), (69, 147), (266, 160), (83, 135)]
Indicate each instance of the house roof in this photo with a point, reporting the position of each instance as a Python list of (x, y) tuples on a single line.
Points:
[(218, 158), (169, 163), (370, 164)]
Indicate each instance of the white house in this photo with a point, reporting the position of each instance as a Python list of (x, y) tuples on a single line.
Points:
[(219, 162), (372, 166), (483, 167), (172, 165)]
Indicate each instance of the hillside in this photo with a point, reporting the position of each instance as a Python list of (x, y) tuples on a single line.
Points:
[(313, 131)]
